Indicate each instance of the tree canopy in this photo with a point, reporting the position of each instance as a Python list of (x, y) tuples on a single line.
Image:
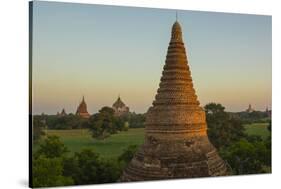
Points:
[(105, 123), (223, 129)]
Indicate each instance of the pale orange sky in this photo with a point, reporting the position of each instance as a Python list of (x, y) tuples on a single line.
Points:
[(103, 51)]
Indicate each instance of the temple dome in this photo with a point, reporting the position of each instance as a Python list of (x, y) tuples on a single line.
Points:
[(119, 107), (118, 103)]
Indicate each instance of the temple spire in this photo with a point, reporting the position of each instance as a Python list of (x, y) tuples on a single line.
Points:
[(82, 109), (176, 143)]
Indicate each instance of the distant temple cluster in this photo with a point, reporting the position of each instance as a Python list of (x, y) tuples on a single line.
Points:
[(118, 106), (62, 113), (250, 110)]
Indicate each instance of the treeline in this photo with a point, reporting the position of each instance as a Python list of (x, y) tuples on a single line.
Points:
[(71, 121), (53, 166), (252, 117), (244, 153), (102, 124)]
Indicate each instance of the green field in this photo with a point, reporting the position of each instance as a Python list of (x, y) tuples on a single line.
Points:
[(259, 129), (112, 147)]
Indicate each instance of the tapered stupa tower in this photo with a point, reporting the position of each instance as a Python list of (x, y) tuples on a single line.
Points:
[(82, 109), (176, 142)]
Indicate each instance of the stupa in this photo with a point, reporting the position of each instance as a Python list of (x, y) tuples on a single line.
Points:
[(63, 112), (250, 109), (82, 109), (176, 143)]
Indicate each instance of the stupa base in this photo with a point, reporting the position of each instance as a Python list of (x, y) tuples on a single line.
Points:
[(174, 160)]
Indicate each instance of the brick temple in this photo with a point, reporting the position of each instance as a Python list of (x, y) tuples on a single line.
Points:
[(82, 109), (119, 107), (176, 143)]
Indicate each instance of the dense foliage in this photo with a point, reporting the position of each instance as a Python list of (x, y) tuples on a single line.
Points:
[(136, 120), (223, 129), (52, 147), (248, 156), (48, 172), (85, 167), (102, 124), (245, 154), (47, 164), (69, 121), (105, 123)]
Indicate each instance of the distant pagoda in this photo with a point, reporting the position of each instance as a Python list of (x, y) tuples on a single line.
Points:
[(82, 109), (250, 109), (63, 113), (119, 107), (176, 143)]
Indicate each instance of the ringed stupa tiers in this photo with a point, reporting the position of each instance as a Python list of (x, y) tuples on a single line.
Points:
[(82, 109), (176, 143)]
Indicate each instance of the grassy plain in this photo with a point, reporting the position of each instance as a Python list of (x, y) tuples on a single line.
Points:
[(259, 129), (112, 147)]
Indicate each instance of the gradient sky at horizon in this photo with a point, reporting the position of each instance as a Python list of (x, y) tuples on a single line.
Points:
[(103, 51)]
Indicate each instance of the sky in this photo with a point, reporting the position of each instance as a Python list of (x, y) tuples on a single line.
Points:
[(105, 51)]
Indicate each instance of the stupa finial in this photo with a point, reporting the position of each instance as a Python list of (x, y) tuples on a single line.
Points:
[(176, 32)]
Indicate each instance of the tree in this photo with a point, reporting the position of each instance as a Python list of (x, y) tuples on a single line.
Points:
[(128, 154), (110, 171), (52, 147), (136, 120), (47, 172), (104, 123), (69, 121), (247, 157), (51, 167), (86, 167), (223, 129), (47, 164), (88, 163)]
